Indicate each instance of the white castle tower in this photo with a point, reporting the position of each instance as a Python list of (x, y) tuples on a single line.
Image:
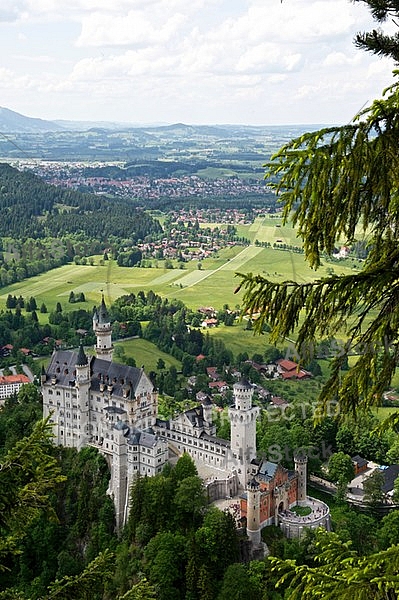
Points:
[(103, 331), (82, 385), (253, 512), (243, 430)]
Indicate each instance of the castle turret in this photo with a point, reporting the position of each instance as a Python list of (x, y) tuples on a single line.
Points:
[(102, 329), (253, 512), (301, 461), (207, 413), (243, 430), (118, 485), (82, 385)]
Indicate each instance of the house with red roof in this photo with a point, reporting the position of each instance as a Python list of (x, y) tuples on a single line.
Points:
[(11, 384), (288, 369)]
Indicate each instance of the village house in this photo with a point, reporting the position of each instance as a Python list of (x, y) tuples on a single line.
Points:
[(11, 384)]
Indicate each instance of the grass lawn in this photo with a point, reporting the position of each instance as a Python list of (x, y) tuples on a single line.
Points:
[(239, 340), (383, 412), (146, 353), (301, 511)]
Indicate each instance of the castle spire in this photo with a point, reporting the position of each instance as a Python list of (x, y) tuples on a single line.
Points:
[(81, 361), (103, 332)]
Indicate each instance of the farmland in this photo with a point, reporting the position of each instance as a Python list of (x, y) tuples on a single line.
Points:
[(214, 284)]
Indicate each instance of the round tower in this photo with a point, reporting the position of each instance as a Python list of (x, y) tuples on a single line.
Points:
[(253, 512), (301, 462), (82, 385), (103, 331), (243, 392)]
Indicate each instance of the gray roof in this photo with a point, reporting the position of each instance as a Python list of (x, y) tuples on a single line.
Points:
[(243, 383), (114, 410), (121, 426), (195, 416), (63, 364), (215, 440), (390, 474), (267, 470), (142, 438), (82, 358), (359, 460), (103, 317)]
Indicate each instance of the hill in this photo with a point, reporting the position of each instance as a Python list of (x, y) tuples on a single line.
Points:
[(11, 122), (35, 209)]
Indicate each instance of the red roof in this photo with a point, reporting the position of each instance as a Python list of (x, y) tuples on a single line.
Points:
[(4, 379), (291, 369), (217, 384), (287, 365)]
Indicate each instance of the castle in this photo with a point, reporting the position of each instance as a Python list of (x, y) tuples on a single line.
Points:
[(92, 401)]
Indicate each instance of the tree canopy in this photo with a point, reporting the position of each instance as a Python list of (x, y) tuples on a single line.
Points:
[(337, 185)]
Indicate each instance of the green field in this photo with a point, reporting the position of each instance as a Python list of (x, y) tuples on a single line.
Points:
[(147, 354), (239, 340), (214, 284)]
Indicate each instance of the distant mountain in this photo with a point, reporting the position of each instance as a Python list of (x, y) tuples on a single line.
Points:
[(104, 125), (13, 122)]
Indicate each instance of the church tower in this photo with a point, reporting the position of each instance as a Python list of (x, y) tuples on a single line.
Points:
[(243, 430), (82, 385), (103, 331)]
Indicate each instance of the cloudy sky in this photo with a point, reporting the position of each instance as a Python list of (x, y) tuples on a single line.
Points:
[(197, 61)]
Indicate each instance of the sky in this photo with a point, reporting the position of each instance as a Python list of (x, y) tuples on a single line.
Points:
[(260, 62)]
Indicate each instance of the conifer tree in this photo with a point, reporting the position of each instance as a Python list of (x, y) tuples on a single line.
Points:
[(333, 183)]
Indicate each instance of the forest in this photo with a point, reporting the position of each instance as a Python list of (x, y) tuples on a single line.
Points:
[(33, 209), (174, 545)]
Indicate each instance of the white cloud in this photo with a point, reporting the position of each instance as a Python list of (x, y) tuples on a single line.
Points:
[(135, 29), (208, 59), (336, 59), (10, 10)]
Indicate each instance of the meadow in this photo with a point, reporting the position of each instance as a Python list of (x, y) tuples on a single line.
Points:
[(214, 284)]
